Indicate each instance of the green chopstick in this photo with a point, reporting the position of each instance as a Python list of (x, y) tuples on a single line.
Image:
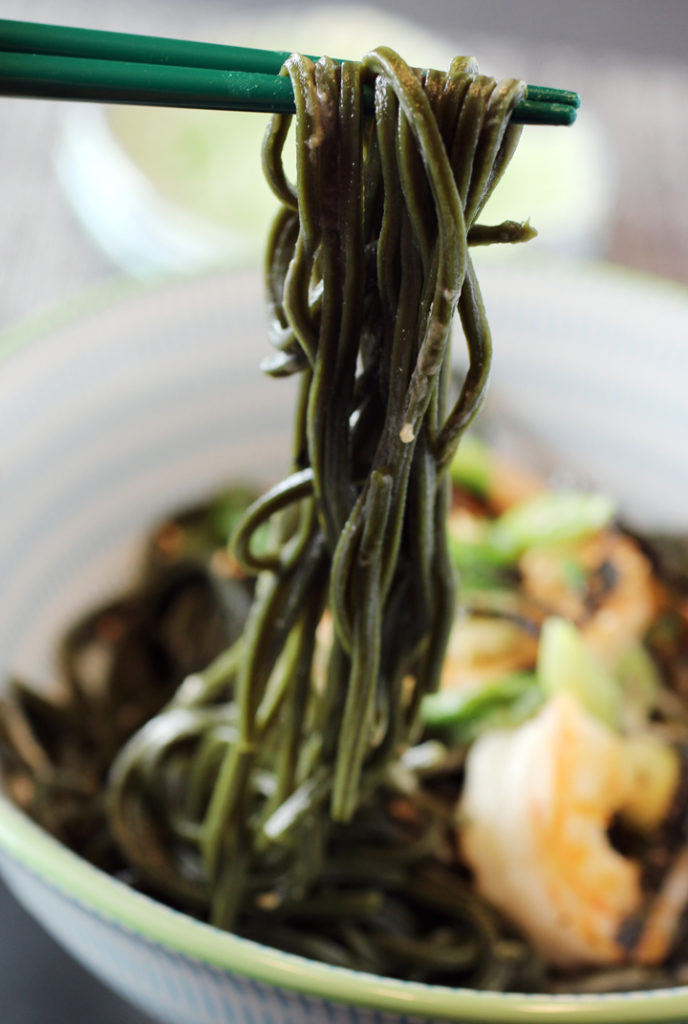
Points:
[(59, 62), (111, 81), (63, 41)]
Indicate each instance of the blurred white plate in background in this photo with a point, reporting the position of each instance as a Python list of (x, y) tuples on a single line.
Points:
[(164, 190)]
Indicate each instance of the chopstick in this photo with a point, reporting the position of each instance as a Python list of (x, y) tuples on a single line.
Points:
[(110, 81), (59, 62)]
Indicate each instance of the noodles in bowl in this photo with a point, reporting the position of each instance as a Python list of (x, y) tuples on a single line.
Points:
[(247, 782)]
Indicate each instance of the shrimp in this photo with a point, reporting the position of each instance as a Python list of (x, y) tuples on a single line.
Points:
[(484, 649), (533, 821), (625, 611)]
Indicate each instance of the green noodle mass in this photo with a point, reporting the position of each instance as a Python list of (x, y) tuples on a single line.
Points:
[(237, 794)]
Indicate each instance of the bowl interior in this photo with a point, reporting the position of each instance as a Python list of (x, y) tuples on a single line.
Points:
[(110, 419)]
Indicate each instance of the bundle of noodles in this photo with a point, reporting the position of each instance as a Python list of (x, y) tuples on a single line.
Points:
[(234, 795)]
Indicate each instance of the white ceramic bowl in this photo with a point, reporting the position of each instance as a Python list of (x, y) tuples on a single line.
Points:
[(110, 417)]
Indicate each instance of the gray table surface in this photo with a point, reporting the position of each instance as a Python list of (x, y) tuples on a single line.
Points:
[(597, 45)]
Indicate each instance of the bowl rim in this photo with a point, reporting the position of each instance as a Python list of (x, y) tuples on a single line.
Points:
[(137, 914), (33, 849)]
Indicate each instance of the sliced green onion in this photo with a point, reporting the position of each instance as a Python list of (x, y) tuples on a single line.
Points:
[(549, 518), (565, 665), (468, 710), (640, 680), (552, 517)]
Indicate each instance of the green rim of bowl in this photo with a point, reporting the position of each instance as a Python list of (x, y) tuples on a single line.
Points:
[(57, 866)]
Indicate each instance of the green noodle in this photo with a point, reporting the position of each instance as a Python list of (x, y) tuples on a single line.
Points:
[(239, 795)]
